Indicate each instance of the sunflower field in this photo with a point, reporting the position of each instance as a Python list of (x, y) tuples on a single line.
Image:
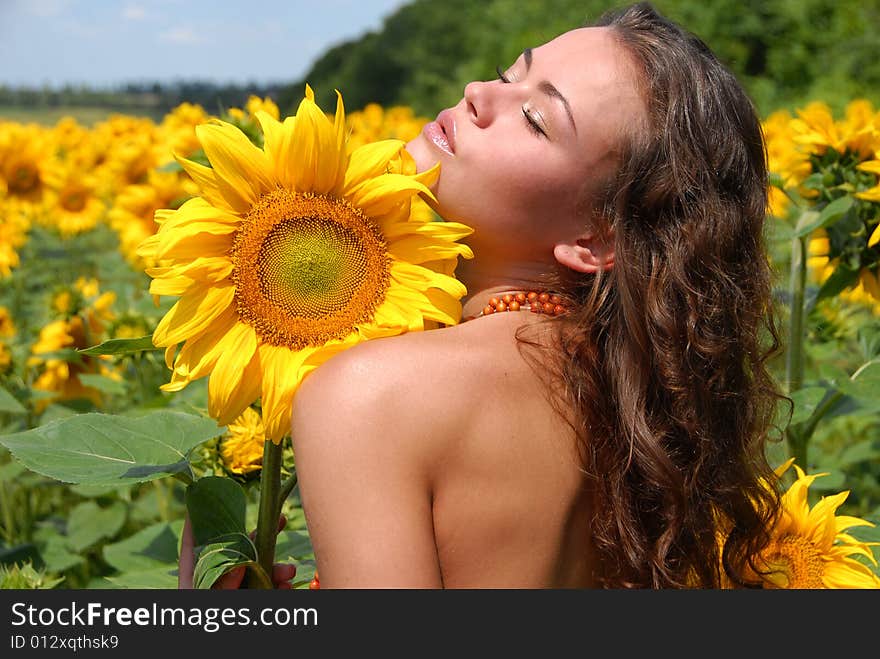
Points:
[(105, 428)]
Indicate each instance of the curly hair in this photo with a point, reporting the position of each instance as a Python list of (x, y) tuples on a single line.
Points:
[(665, 356)]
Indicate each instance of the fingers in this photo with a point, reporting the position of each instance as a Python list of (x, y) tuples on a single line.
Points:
[(186, 563), (231, 580), (282, 573)]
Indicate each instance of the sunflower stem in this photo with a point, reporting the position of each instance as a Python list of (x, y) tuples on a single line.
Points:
[(794, 365), (286, 489), (267, 517)]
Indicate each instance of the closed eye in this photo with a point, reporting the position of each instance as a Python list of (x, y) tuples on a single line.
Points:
[(531, 122)]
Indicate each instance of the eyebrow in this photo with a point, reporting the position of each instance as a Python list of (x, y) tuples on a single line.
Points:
[(548, 88)]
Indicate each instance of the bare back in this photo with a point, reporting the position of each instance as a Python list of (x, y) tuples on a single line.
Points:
[(445, 464), (510, 503)]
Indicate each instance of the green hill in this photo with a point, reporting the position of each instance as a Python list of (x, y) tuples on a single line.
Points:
[(786, 52)]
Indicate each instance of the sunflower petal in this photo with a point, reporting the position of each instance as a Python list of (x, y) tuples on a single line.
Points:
[(241, 168), (209, 186), (370, 160), (378, 196), (197, 357), (240, 343), (193, 313), (280, 367), (422, 279), (315, 150)]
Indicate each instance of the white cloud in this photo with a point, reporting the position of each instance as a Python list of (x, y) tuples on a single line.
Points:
[(181, 35), (134, 13)]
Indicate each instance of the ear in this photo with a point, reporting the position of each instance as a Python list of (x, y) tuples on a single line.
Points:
[(589, 253)]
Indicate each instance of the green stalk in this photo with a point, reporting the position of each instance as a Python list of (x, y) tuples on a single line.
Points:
[(267, 517), (286, 489), (8, 520), (794, 364)]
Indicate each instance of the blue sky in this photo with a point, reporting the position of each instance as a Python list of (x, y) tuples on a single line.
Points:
[(104, 42)]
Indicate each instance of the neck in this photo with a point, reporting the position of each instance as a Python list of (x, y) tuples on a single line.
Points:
[(485, 281)]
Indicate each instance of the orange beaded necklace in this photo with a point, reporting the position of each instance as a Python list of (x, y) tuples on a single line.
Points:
[(534, 301)]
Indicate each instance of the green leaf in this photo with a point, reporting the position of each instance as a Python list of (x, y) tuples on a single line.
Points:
[(103, 384), (96, 491), (293, 546), (805, 402), (217, 508), (161, 577), (305, 572), (863, 451), (151, 548), (833, 482), (810, 220), (218, 558), (10, 404), (56, 555), (865, 384), (121, 346), (776, 180), (103, 449), (88, 524)]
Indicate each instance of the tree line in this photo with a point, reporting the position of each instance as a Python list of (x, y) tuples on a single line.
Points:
[(785, 54)]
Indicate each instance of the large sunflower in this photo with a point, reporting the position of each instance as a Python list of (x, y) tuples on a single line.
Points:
[(292, 253), (809, 547)]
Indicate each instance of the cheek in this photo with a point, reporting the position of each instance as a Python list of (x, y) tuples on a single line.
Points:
[(510, 196), (522, 186)]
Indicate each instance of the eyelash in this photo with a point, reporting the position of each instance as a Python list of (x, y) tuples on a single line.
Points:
[(530, 121)]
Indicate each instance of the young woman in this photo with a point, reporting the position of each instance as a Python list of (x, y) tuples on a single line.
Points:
[(611, 439)]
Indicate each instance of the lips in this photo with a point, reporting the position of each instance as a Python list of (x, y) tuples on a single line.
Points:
[(441, 132), (447, 123)]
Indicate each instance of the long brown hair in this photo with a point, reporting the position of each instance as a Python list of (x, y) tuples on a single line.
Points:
[(665, 357)]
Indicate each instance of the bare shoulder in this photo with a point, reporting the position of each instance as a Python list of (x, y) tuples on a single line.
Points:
[(431, 385), (399, 382)]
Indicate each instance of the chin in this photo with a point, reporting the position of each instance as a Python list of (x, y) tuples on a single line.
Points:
[(419, 149)]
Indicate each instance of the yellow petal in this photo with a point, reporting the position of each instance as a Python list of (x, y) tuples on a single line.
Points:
[(199, 354), (437, 230), (211, 189), (180, 245), (198, 211), (240, 343), (370, 160), (380, 195), (193, 313), (419, 249), (240, 167), (315, 151), (280, 368), (444, 308), (276, 144), (872, 166), (422, 279), (247, 390)]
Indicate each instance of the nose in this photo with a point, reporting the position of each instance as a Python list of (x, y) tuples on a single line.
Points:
[(479, 102)]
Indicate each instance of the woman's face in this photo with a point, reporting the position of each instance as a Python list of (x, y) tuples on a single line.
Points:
[(520, 154)]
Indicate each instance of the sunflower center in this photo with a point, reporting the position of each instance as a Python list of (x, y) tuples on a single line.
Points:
[(307, 268), (73, 200), (24, 179), (793, 562)]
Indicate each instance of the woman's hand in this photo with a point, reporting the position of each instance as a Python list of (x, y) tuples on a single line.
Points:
[(282, 573)]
